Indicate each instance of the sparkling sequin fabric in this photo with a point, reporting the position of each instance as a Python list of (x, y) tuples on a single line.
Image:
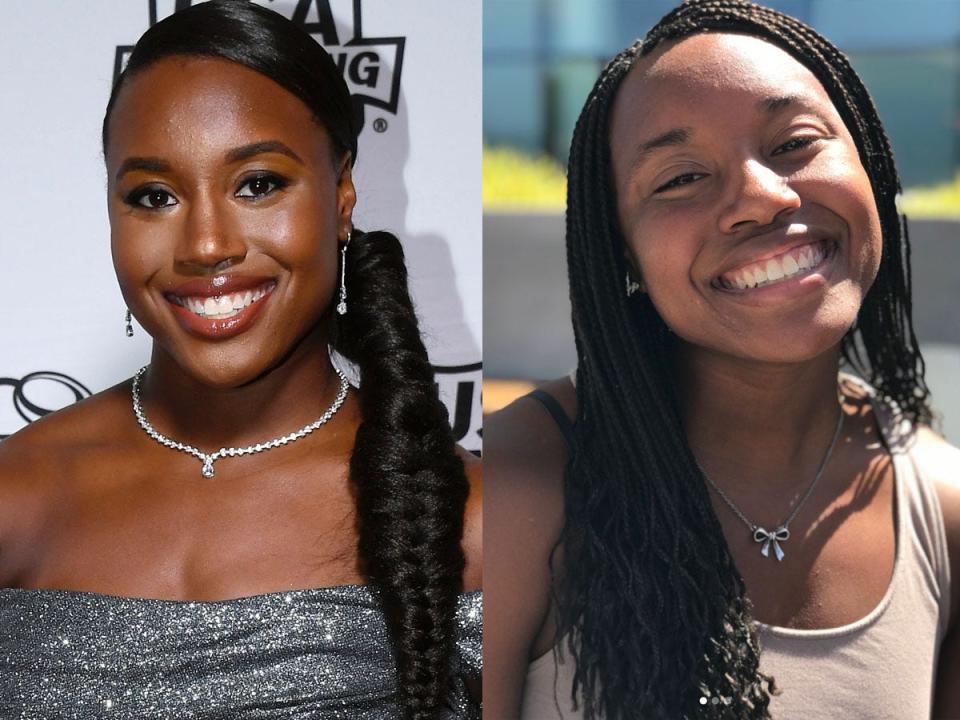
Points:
[(318, 654)]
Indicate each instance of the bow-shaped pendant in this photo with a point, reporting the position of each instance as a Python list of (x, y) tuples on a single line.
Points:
[(781, 534)]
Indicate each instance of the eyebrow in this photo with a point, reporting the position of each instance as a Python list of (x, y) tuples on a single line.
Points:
[(778, 103), (244, 152), (671, 138), (148, 164)]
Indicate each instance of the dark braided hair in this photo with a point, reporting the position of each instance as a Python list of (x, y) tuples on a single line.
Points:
[(411, 488), (650, 603)]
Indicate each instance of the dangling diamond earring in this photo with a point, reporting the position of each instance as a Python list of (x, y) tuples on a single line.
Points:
[(632, 285), (342, 305), (129, 324)]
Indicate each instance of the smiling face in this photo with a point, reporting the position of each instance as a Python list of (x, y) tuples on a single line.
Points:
[(226, 204), (742, 199)]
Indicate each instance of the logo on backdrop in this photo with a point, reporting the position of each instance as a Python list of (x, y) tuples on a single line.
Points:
[(460, 387), (30, 410), (371, 66)]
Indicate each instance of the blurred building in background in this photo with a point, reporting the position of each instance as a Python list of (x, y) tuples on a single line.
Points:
[(541, 57), (540, 60)]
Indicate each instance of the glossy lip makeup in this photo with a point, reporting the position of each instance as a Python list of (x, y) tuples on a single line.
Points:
[(220, 307)]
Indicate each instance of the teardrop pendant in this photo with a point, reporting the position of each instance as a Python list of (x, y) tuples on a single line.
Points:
[(207, 467)]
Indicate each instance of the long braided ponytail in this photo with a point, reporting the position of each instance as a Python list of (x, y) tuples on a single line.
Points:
[(411, 487), (651, 603), (410, 483)]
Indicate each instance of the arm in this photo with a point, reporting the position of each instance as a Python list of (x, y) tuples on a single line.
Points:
[(29, 461), (473, 523), (525, 456), (944, 457)]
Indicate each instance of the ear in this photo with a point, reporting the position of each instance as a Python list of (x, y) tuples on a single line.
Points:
[(346, 198)]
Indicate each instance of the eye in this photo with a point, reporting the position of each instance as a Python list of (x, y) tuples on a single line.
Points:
[(152, 198), (679, 181), (260, 186), (797, 143)]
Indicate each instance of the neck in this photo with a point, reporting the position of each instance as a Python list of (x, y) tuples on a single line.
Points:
[(758, 426), (285, 397)]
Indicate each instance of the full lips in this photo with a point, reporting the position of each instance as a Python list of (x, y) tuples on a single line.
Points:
[(220, 328), (795, 263)]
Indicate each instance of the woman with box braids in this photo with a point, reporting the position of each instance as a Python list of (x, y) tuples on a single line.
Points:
[(662, 584), (760, 239)]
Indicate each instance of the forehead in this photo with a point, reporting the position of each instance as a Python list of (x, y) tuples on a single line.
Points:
[(186, 106), (711, 77)]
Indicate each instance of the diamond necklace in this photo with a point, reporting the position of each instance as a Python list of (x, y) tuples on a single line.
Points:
[(209, 458), (782, 532)]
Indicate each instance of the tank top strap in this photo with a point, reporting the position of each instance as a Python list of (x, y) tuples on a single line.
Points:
[(550, 404), (916, 462)]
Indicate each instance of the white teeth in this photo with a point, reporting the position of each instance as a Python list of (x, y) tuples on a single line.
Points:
[(774, 269), (222, 306)]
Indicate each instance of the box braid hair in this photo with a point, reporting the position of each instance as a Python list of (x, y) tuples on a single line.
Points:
[(411, 488), (650, 603)]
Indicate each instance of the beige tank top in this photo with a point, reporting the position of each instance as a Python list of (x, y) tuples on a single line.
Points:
[(881, 667)]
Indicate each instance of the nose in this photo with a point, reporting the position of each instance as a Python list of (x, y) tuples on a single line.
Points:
[(756, 194), (209, 241)]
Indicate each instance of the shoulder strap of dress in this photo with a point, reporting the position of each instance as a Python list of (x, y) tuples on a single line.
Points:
[(551, 405)]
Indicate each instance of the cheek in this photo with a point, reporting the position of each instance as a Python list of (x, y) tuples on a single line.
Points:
[(139, 249), (664, 247), (301, 237), (843, 186), (665, 253)]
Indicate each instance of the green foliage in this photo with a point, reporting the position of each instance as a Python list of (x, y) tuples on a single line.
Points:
[(937, 201), (513, 181)]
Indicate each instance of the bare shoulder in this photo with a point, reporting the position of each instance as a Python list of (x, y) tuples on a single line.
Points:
[(525, 448), (939, 461), (37, 463), (525, 454), (473, 522), (75, 426)]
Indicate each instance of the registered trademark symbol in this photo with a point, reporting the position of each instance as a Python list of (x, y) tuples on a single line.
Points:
[(380, 125)]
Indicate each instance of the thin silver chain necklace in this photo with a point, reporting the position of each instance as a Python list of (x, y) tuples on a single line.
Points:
[(209, 458), (781, 534)]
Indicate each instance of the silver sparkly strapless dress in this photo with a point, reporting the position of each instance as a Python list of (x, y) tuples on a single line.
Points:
[(314, 654)]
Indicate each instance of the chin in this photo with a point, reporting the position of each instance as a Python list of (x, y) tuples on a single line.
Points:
[(224, 377), (222, 370), (791, 348)]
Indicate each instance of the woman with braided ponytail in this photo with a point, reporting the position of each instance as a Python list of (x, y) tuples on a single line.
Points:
[(330, 571), (715, 522)]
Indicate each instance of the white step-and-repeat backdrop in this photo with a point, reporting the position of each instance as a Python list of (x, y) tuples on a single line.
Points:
[(416, 64)]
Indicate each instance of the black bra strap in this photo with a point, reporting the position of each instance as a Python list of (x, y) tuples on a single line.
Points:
[(551, 405)]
